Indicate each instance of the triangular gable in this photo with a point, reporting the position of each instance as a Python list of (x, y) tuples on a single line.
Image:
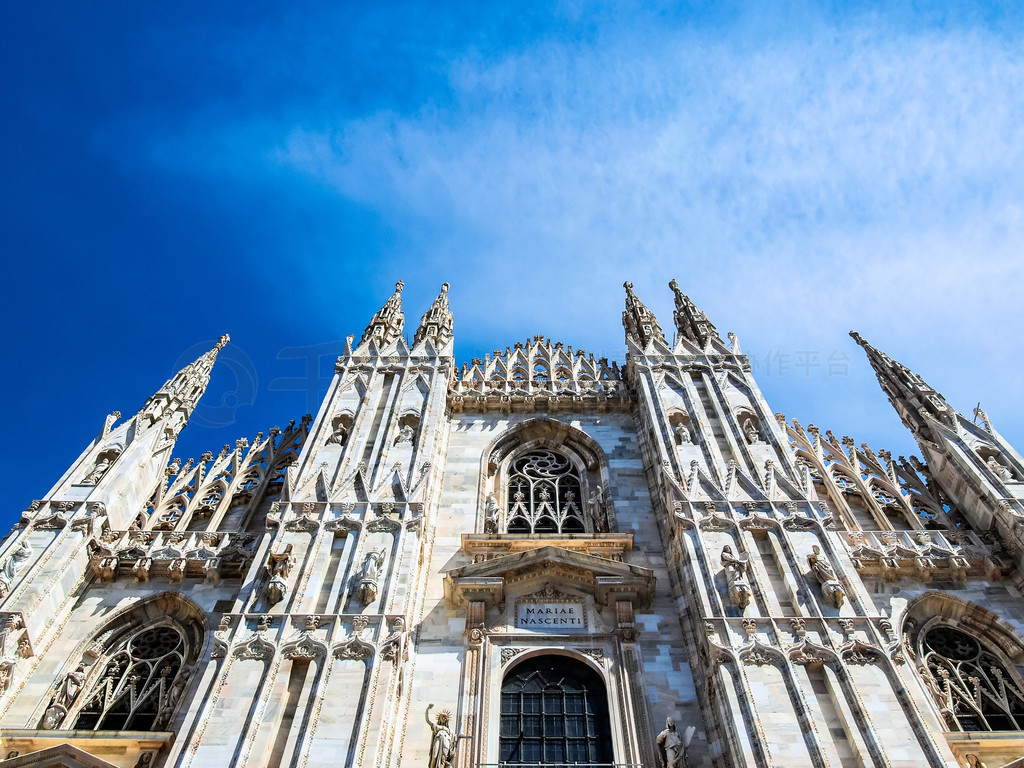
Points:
[(606, 580), (60, 756)]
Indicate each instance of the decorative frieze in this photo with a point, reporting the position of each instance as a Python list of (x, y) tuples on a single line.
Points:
[(146, 555)]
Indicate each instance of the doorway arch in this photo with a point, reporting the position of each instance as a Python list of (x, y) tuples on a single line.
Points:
[(554, 709)]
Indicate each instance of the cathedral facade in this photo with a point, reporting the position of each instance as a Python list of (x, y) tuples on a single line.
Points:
[(533, 558)]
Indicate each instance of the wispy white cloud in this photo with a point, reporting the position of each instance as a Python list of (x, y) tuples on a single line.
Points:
[(856, 175)]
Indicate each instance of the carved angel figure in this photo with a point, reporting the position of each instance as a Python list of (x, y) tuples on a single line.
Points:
[(442, 741), (670, 746)]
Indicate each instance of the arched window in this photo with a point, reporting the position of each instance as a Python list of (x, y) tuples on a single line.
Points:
[(544, 494), (139, 684), (554, 710), (973, 688)]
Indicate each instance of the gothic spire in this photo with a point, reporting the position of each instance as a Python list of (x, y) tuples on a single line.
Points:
[(437, 322), (640, 323), (691, 323), (386, 326), (910, 395), (180, 394)]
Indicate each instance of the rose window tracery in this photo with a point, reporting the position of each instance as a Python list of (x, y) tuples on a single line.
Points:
[(139, 685), (973, 688), (544, 495)]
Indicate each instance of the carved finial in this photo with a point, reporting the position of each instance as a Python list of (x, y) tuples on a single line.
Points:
[(438, 322), (640, 323), (387, 324), (691, 323)]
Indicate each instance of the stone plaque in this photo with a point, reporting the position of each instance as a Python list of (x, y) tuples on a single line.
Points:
[(551, 617)]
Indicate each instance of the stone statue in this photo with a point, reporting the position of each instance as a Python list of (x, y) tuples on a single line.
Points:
[(491, 514), (683, 436), (821, 568), (598, 514), (442, 741), (18, 558), (1001, 470), (102, 465), (70, 687), (831, 589), (751, 432), (173, 696), (340, 434), (406, 434), (367, 591), (371, 565), (670, 746), (736, 577), (67, 692)]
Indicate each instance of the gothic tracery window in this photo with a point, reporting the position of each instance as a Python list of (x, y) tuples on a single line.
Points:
[(972, 686), (544, 495), (140, 683)]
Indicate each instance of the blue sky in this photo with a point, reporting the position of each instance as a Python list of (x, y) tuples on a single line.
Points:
[(173, 172)]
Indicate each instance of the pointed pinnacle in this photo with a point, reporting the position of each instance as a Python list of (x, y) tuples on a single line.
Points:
[(387, 323), (437, 322), (638, 321), (691, 322)]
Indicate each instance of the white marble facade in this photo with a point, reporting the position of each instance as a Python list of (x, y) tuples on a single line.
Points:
[(381, 584)]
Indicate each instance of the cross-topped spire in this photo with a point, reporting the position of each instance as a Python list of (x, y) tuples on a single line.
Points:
[(437, 322), (909, 394), (691, 323), (386, 326), (640, 323)]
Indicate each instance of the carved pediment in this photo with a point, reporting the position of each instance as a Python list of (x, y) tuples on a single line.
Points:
[(73, 749), (63, 755), (526, 572)]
